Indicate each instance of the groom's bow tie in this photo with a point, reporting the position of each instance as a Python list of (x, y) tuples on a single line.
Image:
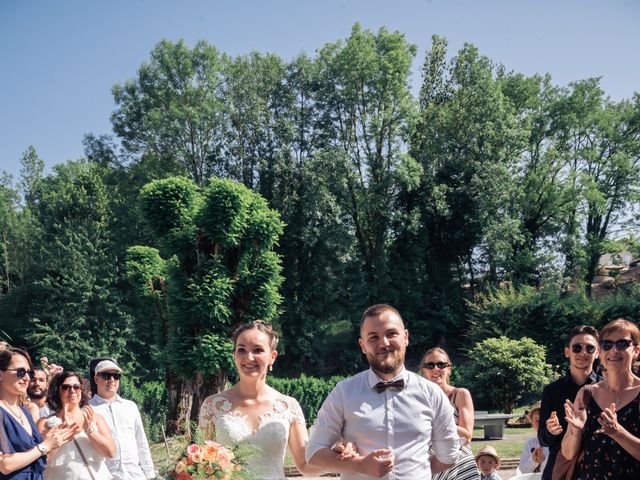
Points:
[(382, 386)]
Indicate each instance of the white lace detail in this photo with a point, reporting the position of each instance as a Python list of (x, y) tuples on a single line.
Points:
[(270, 438)]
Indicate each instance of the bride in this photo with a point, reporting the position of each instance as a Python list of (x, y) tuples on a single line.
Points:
[(252, 413)]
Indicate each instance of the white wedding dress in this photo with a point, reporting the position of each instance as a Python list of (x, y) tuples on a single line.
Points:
[(269, 440)]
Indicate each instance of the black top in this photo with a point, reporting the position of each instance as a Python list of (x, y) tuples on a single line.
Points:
[(553, 398)]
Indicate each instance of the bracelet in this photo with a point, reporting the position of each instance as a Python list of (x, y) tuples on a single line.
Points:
[(92, 428)]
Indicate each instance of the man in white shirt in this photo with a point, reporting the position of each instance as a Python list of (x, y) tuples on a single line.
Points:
[(132, 460), (392, 415)]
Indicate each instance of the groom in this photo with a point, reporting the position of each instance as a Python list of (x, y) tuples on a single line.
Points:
[(390, 414)]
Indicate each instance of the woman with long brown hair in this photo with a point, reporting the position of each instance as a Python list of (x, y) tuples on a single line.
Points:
[(22, 447), (84, 458), (253, 413)]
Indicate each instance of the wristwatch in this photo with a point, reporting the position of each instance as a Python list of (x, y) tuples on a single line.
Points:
[(42, 448)]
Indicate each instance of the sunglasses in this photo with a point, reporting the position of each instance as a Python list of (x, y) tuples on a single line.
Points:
[(21, 372), (577, 348), (432, 365), (108, 375), (67, 386), (621, 344)]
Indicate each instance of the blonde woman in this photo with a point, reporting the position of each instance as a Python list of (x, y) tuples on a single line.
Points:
[(436, 366)]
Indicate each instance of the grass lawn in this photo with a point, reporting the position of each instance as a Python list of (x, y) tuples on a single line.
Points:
[(510, 447)]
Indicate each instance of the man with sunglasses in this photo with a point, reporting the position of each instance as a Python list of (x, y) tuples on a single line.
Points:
[(581, 350), (132, 460)]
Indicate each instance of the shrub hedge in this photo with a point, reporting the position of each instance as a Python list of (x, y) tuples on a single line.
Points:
[(310, 392)]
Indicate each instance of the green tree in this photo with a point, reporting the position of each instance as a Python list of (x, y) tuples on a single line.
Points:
[(365, 111), (502, 370), (221, 271), (602, 139), (172, 111), (75, 306), (466, 141)]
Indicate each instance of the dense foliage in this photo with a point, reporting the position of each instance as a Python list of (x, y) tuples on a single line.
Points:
[(479, 207), (310, 392), (505, 370)]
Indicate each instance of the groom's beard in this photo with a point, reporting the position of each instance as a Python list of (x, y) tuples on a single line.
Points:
[(389, 364)]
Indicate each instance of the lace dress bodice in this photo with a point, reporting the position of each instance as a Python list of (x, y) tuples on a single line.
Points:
[(230, 428)]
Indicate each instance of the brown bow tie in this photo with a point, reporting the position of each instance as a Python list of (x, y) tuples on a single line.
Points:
[(382, 386)]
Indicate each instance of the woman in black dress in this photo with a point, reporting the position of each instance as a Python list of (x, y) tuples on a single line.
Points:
[(605, 420)]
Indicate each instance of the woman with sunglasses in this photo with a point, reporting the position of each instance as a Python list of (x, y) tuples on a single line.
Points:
[(605, 421), (436, 366), (21, 445), (82, 459)]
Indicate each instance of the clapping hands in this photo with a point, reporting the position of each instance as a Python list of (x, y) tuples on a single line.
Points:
[(575, 416), (537, 455), (553, 424), (608, 420), (57, 436)]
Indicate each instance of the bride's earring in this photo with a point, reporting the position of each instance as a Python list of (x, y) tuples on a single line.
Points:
[(271, 367)]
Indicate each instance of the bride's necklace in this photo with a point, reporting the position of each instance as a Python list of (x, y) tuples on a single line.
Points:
[(19, 415)]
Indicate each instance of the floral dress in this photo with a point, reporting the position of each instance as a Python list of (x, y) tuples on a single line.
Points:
[(267, 443), (603, 456)]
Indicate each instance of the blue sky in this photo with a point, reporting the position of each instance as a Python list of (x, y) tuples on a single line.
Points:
[(59, 59)]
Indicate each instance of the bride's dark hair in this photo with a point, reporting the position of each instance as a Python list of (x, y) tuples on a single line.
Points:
[(264, 327)]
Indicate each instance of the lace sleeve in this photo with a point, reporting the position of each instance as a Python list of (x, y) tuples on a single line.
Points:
[(207, 418), (296, 412)]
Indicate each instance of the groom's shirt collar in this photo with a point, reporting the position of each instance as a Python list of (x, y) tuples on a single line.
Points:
[(373, 378)]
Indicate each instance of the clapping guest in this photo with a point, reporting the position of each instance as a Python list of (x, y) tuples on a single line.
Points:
[(604, 421), (534, 457), (84, 458), (23, 448)]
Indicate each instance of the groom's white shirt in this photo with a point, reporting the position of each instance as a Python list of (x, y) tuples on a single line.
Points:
[(406, 421)]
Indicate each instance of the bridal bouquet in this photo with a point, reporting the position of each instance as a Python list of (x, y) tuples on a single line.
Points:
[(209, 461)]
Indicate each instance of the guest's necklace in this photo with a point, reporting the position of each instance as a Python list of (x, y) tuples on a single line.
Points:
[(620, 392), (19, 415)]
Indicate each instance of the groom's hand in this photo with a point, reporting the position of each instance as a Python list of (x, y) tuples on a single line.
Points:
[(345, 451), (378, 463)]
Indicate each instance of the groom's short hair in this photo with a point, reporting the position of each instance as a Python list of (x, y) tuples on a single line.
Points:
[(377, 310)]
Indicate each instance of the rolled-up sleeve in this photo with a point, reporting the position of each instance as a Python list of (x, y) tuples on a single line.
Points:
[(444, 434), (327, 428)]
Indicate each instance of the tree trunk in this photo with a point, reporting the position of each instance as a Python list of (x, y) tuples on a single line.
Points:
[(186, 397)]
